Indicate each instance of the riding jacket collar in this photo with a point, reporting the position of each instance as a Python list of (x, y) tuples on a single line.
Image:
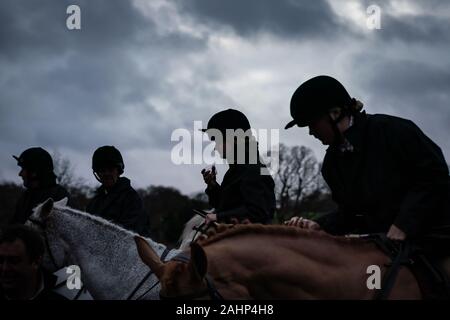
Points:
[(346, 146), (354, 135)]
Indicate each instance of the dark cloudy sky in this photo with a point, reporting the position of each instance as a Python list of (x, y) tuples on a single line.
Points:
[(137, 70)]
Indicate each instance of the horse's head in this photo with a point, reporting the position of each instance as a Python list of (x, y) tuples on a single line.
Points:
[(42, 219), (178, 279)]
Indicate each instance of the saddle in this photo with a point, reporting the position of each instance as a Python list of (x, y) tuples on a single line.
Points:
[(430, 271)]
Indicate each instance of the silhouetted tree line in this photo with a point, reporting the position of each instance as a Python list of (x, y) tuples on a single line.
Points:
[(300, 190), (167, 208)]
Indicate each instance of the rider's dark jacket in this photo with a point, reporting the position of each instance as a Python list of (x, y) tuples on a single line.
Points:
[(121, 205), (394, 175), (245, 193), (32, 197)]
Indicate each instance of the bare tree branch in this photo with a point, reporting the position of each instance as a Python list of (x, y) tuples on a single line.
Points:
[(297, 177)]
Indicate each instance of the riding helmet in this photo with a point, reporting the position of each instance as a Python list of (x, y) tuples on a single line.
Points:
[(37, 160), (228, 119), (315, 97), (107, 156)]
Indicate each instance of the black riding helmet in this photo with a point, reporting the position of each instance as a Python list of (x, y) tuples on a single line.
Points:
[(315, 97), (228, 119), (36, 160), (107, 156), (232, 119)]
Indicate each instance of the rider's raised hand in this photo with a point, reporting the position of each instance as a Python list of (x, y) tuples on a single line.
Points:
[(303, 223), (209, 176), (210, 217)]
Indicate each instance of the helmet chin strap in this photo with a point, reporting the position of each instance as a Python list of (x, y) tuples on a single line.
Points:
[(96, 176)]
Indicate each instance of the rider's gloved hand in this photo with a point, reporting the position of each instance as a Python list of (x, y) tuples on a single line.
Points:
[(209, 176), (303, 223), (211, 217)]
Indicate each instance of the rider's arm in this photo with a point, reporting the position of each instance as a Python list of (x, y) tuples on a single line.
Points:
[(256, 192), (213, 191), (239, 213), (133, 215), (425, 165), (337, 222)]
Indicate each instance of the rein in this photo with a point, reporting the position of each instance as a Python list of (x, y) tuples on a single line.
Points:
[(210, 289), (43, 226), (398, 252), (47, 244), (163, 257), (203, 227)]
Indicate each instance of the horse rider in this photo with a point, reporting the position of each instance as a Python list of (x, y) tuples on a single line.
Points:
[(39, 180), (247, 190), (385, 174), (116, 200)]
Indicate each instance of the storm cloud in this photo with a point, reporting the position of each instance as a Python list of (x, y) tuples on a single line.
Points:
[(137, 70), (286, 18)]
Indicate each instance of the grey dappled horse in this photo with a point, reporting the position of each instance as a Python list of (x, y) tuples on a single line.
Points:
[(106, 253)]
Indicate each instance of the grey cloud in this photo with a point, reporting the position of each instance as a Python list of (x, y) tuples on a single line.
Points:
[(415, 90), (76, 90), (73, 88), (297, 19), (428, 28), (409, 81), (122, 81), (38, 28)]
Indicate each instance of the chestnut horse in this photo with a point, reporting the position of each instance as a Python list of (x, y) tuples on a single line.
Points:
[(275, 262)]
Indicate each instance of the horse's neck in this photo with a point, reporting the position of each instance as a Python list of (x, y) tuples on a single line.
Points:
[(106, 254), (249, 264)]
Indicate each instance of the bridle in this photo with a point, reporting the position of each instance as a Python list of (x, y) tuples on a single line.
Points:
[(213, 293), (139, 285), (210, 289), (203, 227), (43, 226)]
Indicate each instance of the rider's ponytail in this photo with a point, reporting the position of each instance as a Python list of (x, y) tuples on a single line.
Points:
[(355, 107)]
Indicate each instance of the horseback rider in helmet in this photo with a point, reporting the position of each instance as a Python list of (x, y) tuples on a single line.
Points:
[(384, 173), (115, 199), (39, 180), (245, 193)]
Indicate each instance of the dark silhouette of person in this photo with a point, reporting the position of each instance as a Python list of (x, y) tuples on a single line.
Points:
[(39, 180), (245, 193), (116, 200), (21, 275), (385, 174)]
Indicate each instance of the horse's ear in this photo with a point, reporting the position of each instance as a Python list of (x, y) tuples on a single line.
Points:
[(46, 208), (198, 262), (149, 257), (62, 202)]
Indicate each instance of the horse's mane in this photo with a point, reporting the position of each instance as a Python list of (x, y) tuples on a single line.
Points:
[(229, 231), (95, 219)]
